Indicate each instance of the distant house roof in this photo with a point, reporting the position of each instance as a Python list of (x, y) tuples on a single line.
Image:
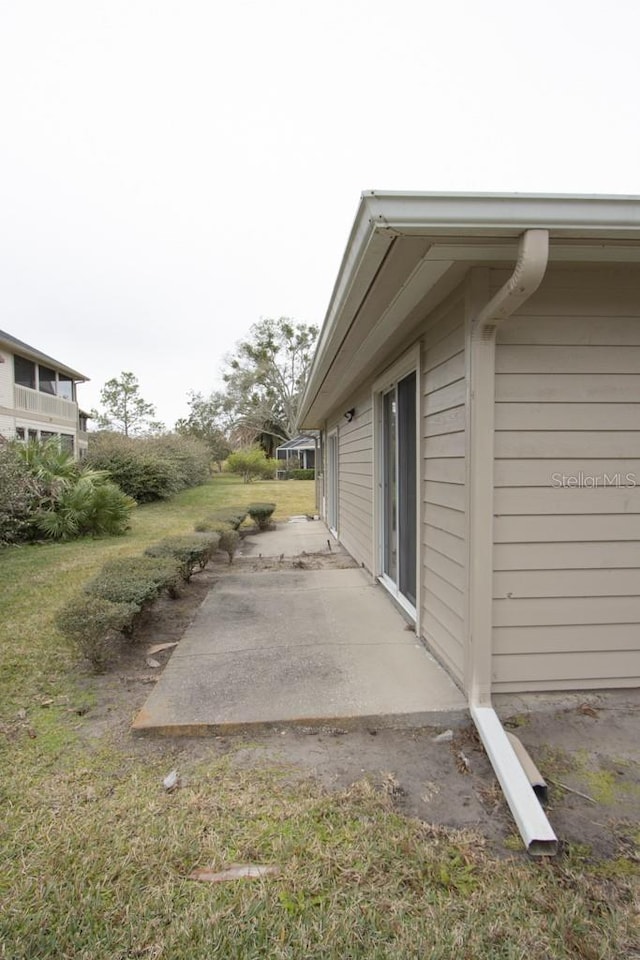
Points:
[(305, 441), (25, 350)]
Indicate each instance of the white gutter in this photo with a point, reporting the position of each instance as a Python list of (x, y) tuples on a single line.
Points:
[(534, 827)]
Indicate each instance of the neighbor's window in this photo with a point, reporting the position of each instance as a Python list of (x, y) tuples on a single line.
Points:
[(47, 380), (66, 442), (65, 387), (20, 433), (47, 435), (24, 372), (33, 436)]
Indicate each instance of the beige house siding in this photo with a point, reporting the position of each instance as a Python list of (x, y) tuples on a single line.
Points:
[(567, 558), (443, 485), (355, 473), (7, 421), (6, 379)]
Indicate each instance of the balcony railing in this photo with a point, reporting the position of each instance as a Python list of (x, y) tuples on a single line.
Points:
[(44, 403)]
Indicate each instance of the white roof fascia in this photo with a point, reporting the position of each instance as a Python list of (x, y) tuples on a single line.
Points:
[(610, 221), (365, 252), (505, 214)]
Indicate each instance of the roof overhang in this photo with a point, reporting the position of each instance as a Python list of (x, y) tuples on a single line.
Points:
[(13, 345), (408, 251)]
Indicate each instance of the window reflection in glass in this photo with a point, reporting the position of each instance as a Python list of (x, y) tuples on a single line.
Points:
[(47, 380), (65, 387)]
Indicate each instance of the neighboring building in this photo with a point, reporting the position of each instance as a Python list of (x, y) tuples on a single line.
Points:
[(296, 454), (477, 385), (38, 397)]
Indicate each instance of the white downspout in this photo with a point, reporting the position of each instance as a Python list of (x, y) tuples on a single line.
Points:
[(534, 827)]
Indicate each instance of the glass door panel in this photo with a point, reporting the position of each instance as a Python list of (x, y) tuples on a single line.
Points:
[(389, 486), (407, 487), (399, 508)]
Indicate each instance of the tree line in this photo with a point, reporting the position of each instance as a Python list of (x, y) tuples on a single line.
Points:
[(264, 380)]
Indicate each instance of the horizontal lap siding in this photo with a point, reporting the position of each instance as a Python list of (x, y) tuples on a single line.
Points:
[(355, 472), (567, 486), (443, 419)]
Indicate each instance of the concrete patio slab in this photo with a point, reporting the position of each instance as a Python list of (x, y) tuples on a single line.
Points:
[(308, 648), (291, 539)]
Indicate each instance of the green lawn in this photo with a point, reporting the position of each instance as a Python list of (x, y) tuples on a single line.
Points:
[(95, 855)]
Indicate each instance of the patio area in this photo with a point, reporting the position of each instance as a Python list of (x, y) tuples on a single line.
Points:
[(278, 644)]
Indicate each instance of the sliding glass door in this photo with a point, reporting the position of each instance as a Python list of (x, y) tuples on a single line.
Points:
[(332, 482), (399, 508)]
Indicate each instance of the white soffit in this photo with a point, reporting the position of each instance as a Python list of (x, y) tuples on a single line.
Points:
[(463, 229)]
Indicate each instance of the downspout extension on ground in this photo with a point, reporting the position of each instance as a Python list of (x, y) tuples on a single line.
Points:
[(534, 827)]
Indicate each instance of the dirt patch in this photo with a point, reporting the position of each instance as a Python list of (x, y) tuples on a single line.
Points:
[(305, 561), (586, 745)]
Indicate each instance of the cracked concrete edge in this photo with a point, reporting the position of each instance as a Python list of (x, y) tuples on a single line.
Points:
[(436, 719)]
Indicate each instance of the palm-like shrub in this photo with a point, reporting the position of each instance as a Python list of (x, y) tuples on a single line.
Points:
[(73, 499), (90, 505)]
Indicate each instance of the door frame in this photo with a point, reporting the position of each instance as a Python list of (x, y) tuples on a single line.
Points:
[(332, 477), (407, 364)]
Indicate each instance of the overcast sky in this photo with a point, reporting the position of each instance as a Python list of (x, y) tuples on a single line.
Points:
[(171, 172)]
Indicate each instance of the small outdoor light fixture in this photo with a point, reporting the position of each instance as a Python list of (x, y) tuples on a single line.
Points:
[(350, 414)]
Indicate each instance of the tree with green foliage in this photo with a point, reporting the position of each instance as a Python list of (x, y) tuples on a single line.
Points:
[(124, 409), (251, 464), (265, 379), (208, 421)]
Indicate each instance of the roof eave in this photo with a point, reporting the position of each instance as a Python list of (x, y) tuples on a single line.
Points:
[(381, 217), (14, 345)]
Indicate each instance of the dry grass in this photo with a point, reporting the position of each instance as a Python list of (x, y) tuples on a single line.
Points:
[(96, 854)]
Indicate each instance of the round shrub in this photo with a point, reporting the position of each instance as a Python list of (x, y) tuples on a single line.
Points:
[(165, 572), (193, 551), (95, 626), (229, 538), (135, 586), (234, 516), (261, 514)]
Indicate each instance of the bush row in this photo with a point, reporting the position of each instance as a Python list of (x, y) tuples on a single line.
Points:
[(227, 521), (115, 599), (301, 475), (151, 468)]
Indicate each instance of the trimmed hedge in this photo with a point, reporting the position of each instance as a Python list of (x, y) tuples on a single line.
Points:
[(261, 514), (126, 586), (140, 590), (191, 552), (229, 538), (302, 475), (94, 624), (165, 572), (234, 516)]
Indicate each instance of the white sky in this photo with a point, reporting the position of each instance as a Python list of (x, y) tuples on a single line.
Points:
[(170, 171)]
